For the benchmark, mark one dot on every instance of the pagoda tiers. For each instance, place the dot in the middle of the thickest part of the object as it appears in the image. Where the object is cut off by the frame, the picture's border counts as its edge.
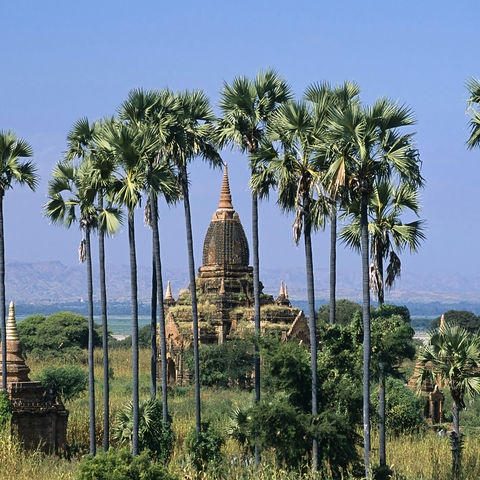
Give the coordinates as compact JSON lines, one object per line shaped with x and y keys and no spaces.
{"x":38,"y":417}
{"x":225,"y":294}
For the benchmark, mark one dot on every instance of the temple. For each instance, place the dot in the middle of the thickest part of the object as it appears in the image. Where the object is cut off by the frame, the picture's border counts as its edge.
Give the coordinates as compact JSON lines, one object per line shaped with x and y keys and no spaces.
{"x":225,"y":295}
{"x":39,"y":418}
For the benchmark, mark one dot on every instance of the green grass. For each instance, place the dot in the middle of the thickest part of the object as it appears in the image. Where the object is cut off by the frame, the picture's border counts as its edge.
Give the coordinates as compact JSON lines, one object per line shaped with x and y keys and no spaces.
{"x":420,"y":457}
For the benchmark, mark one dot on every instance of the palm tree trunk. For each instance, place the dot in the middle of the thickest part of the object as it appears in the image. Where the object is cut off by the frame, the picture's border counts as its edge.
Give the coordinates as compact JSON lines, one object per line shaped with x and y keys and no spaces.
{"x":134,"y":300}
{"x":91,"y":377}
{"x":256,"y":298}
{"x":161,"y":311}
{"x":381,"y":412}
{"x":103,"y":299}
{"x":2,"y":297}
{"x":311,"y":319}
{"x":333,"y":264}
{"x":193,"y":291}
{"x":381,"y":286}
{"x":153,"y":330}
{"x":366,"y":333}
{"x":455,"y":440}
{"x":456,"y":417}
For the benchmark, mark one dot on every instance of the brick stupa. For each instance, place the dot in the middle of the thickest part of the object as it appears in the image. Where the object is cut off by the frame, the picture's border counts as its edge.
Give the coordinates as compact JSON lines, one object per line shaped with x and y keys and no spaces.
{"x":225,"y":294}
{"x":39,"y":418}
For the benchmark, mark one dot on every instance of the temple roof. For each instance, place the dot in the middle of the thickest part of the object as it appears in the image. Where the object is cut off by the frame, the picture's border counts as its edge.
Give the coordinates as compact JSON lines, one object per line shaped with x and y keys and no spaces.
{"x":225,"y":242}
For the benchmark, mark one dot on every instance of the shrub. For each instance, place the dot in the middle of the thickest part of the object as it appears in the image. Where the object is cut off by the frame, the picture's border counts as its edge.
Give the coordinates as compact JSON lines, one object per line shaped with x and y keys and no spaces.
{"x":344,"y":310}
{"x":121,"y":465}
{"x":69,"y":381}
{"x":403,"y":409}
{"x":56,"y":335}
{"x":5,"y":409}
{"x":153,"y":434}
{"x":224,"y":364}
{"x":204,"y":448}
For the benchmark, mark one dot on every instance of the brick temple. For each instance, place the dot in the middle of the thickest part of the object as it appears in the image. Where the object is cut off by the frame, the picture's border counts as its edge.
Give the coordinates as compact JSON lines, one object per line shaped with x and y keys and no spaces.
{"x":39,"y":418}
{"x":225,"y":295}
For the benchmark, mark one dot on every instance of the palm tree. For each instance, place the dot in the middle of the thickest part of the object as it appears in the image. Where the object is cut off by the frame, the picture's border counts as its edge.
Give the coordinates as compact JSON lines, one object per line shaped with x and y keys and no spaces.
{"x":388,"y":234}
{"x":246,"y":109}
{"x":81,"y":144}
{"x":368,"y":146}
{"x":132,"y":145}
{"x":297,"y":167}
{"x":11,"y":171}
{"x":154,"y":110}
{"x":473,"y":87}
{"x":68,"y":191}
{"x":454,"y":354}
{"x":191,"y":137}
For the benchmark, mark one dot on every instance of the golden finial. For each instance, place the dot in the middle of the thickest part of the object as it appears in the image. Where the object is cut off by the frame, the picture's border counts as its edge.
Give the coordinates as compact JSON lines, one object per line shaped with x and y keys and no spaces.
{"x":281,"y":293}
{"x":12,"y":333}
{"x":225,"y":196}
{"x":169,"y":291}
{"x":222,"y":288}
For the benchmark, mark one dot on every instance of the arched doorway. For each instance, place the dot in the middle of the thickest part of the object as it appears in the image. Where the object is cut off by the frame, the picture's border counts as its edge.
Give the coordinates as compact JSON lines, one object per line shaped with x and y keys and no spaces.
{"x":171,"y":372}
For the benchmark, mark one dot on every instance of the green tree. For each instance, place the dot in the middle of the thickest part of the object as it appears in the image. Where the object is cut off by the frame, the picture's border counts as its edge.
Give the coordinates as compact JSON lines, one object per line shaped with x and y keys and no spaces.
{"x":132,"y":146}
{"x":467,"y":320}
{"x":340,"y":96}
{"x":59,"y":334}
{"x":191,"y":138}
{"x":247,"y":106}
{"x":369,"y":145}
{"x":68,"y":191}
{"x":81,"y":144}
{"x":455,"y":356}
{"x":388,"y":234}
{"x":293,"y":159}
{"x":69,"y":380}
{"x":344,"y":311}
{"x":12,"y":171}
{"x":473,"y":87}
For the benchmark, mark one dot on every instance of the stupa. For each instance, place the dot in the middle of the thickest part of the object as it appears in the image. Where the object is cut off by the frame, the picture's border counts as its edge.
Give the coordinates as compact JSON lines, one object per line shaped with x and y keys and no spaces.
{"x":225,"y":295}
{"x":39,"y":418}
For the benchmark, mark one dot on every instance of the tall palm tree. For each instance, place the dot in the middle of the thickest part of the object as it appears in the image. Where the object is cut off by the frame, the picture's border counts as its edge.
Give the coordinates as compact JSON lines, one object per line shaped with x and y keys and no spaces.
{"x":296,"y":165}
{"x":154,"y":110}
{"x":340,"y":96}
{"x":246,"y":108}
{"x":11,"y":171}
{"x":191,"y":137}
{"x":68,"y":191}
{"x":132,"y":145}
{"x":388,"y":233}
{"x":368,"y":145}
{"x":454,"y":354}
{"x":81,"y":144}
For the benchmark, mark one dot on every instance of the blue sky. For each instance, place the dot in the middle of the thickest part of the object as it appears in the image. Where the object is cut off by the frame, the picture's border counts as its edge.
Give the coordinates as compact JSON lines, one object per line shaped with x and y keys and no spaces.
{"x":65,"y":60}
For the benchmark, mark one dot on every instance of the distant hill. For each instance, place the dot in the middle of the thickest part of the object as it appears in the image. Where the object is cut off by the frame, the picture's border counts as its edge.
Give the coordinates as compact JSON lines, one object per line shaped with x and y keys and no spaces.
{"x":52,"y":283}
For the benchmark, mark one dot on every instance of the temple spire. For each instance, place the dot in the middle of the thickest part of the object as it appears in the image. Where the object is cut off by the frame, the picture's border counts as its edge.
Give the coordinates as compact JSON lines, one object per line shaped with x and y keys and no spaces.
{"x":225,"y":195}
{"x":281,"y":293}
{"x":222,"y":288}
{"x":442,"y":322}
{"x":12,"y":332}
{"x":169,"y":295}
{"x":286,"y":291}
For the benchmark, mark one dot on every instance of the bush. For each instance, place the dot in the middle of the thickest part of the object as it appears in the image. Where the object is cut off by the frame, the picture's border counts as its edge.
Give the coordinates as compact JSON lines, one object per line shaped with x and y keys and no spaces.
{"x":69,"y":381}
{"x":153,"y":434}
{"x":403,"y":409}
{"x":5,"y":409}
{"x":204,"y":448}
{"x":224,"y":364}
{"x":121,"y":465}
{"x":56,"y":335}
{"x":344,"y":310}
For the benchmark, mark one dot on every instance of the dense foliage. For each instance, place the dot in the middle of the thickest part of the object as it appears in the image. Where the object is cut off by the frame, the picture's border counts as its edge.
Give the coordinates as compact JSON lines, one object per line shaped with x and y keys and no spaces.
{"x":153,"y":434}
{"x":59,"y":334}
{"x":403,"y":409}
{"x":68,"y":381}
{"x":224,"y":364}
{"x":344,"y":310}
{"x":204,"y":448}
{"x":5,"y":408}
{"x":468,"y":320}
{"x":121,"y":465}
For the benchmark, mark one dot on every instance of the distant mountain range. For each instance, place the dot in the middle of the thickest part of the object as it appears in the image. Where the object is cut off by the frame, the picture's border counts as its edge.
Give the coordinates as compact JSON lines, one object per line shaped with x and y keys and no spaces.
{"x":49,"y":283}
